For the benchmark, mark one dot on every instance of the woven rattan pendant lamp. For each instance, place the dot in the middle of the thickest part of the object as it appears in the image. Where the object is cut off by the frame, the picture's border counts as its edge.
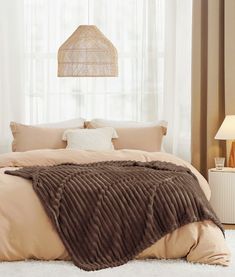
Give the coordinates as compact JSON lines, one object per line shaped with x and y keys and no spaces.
{"x":87,"y":53}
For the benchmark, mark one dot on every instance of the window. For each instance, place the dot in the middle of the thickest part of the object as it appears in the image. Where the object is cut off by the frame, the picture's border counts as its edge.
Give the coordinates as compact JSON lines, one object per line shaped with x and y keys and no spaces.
{"x":153,"y":39}
{"x":137,"y":30}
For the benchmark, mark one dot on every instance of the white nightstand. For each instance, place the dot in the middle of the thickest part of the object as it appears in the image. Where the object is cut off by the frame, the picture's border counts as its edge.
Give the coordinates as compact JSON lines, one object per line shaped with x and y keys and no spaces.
{"x":222,"y":184}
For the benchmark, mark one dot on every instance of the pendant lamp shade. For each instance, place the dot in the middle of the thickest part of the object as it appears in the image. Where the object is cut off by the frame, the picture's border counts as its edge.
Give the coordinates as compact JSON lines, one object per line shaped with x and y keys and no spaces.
{"x":87,"y":53}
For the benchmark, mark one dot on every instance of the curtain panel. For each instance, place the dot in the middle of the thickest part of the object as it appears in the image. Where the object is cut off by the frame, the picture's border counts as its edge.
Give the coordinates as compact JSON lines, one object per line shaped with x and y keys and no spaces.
{"x":11,"y":68}
{"x":153,"y":39}
{"x":213,"y":65}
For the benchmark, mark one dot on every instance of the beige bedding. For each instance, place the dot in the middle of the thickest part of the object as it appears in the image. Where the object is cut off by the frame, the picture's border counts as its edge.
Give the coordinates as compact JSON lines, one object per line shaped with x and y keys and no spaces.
{"x":26,"y":231}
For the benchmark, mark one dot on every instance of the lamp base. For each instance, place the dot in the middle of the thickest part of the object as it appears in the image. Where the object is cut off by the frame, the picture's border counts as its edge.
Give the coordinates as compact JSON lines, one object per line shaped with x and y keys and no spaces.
{"x":232,"y":155}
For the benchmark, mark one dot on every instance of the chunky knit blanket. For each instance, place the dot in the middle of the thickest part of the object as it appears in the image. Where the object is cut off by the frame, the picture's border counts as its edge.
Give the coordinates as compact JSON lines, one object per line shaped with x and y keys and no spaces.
{"x":106,"y":213}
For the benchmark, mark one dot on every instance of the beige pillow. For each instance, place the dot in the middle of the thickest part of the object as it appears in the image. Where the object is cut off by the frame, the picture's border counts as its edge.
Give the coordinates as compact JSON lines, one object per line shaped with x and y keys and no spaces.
{"x":145,"y":139}
{"x":135,"y":135}
{"x":29,"y":137}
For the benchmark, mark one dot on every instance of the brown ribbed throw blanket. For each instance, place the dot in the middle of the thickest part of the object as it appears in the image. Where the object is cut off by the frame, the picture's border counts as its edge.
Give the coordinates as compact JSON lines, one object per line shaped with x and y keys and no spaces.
{"x":106,"y":213}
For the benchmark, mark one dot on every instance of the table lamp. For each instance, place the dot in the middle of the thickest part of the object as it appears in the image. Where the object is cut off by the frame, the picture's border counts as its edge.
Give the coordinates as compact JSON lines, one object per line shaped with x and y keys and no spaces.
{"x":227,"y":132}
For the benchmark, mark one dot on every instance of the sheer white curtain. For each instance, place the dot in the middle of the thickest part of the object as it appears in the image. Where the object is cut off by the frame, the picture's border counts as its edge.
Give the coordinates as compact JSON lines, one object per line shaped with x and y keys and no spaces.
{"x":153,"y":39}
{"x":177,"y":76}
{"x":137,"y":30}
{"x":11,"y":68}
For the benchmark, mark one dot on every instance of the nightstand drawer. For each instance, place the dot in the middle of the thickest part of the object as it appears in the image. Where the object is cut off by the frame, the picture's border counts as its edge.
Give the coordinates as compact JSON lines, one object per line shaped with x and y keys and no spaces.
{"x":222,"y":184}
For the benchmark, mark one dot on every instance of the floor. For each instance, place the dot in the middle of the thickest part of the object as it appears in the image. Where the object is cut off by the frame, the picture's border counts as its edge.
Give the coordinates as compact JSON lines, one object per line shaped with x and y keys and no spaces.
{"x":149,"y":268}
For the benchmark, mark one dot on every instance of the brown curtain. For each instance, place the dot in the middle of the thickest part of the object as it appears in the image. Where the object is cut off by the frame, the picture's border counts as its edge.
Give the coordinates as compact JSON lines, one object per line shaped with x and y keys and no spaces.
{"x":213,"y":77}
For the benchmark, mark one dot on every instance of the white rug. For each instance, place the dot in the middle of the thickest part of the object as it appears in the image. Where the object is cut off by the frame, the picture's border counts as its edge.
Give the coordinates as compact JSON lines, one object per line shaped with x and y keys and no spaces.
{"x":150,"y":268}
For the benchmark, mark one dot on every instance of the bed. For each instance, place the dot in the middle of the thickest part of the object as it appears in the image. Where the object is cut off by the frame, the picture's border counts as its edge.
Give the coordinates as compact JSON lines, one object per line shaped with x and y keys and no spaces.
{"x":26,"y":231}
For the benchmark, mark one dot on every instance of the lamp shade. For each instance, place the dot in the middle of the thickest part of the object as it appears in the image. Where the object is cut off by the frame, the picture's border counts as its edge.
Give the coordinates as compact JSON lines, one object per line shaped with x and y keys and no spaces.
{"x":227,"y":129}
{"x":87,"y":53}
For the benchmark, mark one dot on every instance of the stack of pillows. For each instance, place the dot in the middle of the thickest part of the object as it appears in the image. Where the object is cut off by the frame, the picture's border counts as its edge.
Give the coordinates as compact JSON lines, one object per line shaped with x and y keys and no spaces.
{"x":96,"y":135}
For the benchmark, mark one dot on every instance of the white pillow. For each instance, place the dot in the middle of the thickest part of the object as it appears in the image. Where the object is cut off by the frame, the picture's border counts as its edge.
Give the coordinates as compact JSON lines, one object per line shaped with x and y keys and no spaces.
{"x":99,"y":139}
{"x":71,"y":123}
{"x":97,"y":123}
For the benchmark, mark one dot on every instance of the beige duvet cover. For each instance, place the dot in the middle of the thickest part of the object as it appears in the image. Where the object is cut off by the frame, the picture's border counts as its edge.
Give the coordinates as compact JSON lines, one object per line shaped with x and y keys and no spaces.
{"x":26,"y":231}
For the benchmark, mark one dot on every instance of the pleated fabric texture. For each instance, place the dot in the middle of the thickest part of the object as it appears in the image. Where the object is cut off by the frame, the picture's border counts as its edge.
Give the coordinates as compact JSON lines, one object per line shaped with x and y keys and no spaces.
{"x":106,"y":213}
